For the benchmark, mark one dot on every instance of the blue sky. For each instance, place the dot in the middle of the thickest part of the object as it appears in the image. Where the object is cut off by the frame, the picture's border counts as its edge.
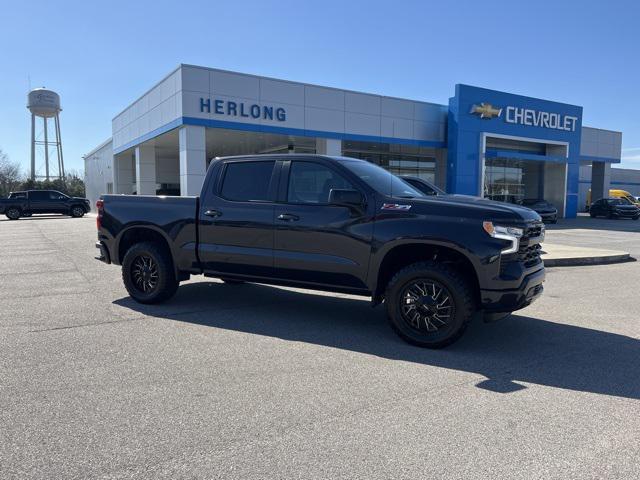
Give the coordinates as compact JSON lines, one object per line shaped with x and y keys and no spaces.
{"x":99,"y":56}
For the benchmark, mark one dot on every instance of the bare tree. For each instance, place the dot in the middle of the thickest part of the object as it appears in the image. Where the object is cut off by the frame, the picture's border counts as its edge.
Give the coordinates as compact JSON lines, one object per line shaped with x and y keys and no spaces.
{"x":10,"y":176}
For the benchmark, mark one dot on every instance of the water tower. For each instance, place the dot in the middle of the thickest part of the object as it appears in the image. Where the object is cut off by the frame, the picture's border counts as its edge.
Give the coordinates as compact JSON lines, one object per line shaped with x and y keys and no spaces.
{"x":45,"y":104}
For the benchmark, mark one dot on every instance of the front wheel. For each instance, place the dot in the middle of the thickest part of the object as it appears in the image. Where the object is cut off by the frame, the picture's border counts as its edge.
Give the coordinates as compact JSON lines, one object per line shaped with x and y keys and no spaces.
{"x":12,"y":213}
{"x":147,"y":273}
{"x":593,"y":215}
{"x":77,"y":212}
{"x":429,"y":304}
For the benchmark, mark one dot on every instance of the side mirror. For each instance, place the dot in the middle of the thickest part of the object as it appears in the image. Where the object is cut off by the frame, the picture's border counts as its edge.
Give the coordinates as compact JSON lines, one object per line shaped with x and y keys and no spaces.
{"x":347,"y":198}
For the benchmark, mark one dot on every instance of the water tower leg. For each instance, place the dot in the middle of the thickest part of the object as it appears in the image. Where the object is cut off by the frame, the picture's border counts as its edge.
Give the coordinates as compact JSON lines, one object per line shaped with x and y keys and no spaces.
{"x":46,"y":148}
{"x":33,"y":147}
{"x":60,"y":158}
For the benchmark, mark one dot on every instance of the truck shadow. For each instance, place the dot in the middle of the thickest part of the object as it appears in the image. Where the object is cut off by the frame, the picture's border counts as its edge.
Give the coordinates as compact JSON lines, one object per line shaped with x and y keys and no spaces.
{"x":508,"y":353}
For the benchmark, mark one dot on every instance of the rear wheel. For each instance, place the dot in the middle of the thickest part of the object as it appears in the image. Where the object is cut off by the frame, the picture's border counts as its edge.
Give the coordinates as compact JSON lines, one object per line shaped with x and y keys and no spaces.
{"x":147,"y":273}
{"x":12,"y":213}
{"x":429,"y":304}
{"x":77,"y":212}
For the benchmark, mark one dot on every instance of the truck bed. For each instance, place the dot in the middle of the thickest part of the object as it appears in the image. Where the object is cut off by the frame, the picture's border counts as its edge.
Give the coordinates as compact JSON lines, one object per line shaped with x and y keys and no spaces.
{"x":174,"y":217}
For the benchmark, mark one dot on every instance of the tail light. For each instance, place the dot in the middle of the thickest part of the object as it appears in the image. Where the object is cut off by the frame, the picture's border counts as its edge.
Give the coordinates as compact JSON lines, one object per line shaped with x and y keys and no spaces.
{"x":100,"y":209}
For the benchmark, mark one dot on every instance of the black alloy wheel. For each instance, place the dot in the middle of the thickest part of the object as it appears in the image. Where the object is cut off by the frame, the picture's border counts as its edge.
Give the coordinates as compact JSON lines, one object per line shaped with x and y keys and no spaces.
{"x":427,"y":305}
{"x":77,"y":212}
{"x":12,"y":213}
{"x":144,"y":274}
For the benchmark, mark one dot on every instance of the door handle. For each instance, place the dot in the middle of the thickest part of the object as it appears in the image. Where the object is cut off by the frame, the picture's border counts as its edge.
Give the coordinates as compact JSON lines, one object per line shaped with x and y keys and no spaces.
{"x":213,"y":213}
{"x":288,"y":217}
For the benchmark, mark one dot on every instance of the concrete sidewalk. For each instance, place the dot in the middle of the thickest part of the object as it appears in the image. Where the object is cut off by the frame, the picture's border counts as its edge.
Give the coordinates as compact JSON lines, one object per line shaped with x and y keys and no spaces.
{"x":556,"y":255}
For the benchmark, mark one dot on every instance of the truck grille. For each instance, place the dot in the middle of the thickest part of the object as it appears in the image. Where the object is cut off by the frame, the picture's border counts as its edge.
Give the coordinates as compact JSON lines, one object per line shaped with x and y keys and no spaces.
{"x":533,"y":231}
{"x":529,"y":253}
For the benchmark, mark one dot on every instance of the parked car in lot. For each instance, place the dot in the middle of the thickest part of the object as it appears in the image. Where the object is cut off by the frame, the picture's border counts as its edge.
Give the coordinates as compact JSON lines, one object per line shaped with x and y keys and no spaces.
{"x":614,"y":208}
{"x":334,"y":224}
{"x":615,"y":193}
{"x":547,"y":211}
{"x":423,"y":185}
{"x":24,"y":204}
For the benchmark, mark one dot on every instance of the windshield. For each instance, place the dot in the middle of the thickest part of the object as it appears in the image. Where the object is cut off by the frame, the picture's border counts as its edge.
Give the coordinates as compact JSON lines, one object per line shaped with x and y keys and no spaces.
{"x":381,"y":180}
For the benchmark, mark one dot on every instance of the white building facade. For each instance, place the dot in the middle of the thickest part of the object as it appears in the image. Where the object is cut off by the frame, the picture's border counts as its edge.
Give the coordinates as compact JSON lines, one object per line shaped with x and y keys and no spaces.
{"x":162,"y":143}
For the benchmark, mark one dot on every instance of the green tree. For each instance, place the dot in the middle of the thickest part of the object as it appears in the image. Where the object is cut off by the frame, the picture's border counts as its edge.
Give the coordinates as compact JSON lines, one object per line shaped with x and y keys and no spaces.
{"x":72,"y":185}
{"x":10,"y":175}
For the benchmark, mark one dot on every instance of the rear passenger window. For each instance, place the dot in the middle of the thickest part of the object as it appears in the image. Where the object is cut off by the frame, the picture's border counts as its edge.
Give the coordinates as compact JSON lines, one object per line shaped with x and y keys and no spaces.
{"x":247,"y":181}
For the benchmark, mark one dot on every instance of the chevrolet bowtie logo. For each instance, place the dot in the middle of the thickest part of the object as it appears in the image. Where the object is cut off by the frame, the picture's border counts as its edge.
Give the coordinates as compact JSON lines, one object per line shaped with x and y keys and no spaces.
{"x":486,"y":110}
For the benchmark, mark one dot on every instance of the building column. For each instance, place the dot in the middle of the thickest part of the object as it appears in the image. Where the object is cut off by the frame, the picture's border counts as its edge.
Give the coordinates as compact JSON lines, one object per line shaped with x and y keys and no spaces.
{"x":600,"y":180}
{"x":193,"y":159}
{"x":123,"y":173}
{"x":329,"y":146}
{"x":146,"y":170}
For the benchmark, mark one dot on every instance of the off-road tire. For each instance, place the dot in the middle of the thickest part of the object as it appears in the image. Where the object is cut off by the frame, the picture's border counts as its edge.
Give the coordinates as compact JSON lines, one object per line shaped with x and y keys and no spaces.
{"x":167,"y":284}
{"x":459,"y":289}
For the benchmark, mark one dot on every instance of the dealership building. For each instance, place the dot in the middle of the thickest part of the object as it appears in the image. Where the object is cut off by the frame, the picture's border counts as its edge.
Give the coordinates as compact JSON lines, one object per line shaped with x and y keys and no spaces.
{"x":483,"y":142}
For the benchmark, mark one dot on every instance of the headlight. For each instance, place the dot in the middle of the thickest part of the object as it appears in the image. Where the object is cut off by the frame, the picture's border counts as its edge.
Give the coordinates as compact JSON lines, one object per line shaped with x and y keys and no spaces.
{"x":511,"y":234}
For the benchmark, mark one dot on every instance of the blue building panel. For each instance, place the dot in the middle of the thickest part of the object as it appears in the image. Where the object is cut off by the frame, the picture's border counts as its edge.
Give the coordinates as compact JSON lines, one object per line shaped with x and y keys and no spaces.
{"x":477,"y":113}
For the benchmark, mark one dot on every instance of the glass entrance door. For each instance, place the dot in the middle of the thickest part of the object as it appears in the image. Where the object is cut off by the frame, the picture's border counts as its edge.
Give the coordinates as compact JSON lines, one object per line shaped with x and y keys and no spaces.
{"x":504,"y":180}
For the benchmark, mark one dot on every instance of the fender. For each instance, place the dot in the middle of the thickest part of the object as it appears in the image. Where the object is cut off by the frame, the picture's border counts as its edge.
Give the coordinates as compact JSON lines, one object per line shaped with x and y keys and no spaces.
{"x":377,"y":256}
{"x":150,"y":227}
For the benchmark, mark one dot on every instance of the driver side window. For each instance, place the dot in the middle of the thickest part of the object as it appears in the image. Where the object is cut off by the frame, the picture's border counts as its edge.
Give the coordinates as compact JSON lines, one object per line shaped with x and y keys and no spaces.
{"x":311,"y":182}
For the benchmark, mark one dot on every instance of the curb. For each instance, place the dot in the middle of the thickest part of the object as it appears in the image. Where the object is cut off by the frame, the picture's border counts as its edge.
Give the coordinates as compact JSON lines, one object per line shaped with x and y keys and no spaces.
{"x":582,"y":261}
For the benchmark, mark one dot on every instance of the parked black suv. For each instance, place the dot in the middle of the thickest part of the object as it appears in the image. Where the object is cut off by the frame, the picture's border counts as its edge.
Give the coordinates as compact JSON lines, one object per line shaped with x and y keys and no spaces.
{"x":24,"y":204}
{"x":336,"y":224}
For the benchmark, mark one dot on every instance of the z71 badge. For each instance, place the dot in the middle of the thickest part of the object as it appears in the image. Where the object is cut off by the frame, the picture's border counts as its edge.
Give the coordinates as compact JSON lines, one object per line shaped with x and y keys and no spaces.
{"x":395,"y":206}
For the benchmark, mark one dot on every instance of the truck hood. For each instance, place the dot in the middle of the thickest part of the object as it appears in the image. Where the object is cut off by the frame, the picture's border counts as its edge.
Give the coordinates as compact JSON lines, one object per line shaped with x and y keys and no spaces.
{"x":471,"y":207}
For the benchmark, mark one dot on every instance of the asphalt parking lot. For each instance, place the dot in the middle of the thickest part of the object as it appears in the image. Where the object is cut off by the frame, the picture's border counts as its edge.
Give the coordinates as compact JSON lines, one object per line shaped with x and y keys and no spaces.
{"x":251,"y":381}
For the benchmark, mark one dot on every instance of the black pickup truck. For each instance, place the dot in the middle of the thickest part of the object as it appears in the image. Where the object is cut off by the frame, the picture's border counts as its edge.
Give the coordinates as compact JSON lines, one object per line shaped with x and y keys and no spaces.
{"x":334,"y":224}
{"x":26,"y":203}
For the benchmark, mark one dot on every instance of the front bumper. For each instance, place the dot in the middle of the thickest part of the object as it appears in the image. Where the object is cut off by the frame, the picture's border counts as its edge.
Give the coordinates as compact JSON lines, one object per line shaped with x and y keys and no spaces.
{"x":624,"y":214}
{"x":514,"y":299}
{"x":549,"y":217}
{"x":104,"y":253}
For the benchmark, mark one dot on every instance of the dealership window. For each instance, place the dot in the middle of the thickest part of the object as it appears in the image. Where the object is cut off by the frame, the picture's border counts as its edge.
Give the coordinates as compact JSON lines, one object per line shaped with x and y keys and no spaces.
{"x":511,"y":180}
{"x":404,"y":160}
{"x":247,"y":181}
{"x":311,"y":183}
